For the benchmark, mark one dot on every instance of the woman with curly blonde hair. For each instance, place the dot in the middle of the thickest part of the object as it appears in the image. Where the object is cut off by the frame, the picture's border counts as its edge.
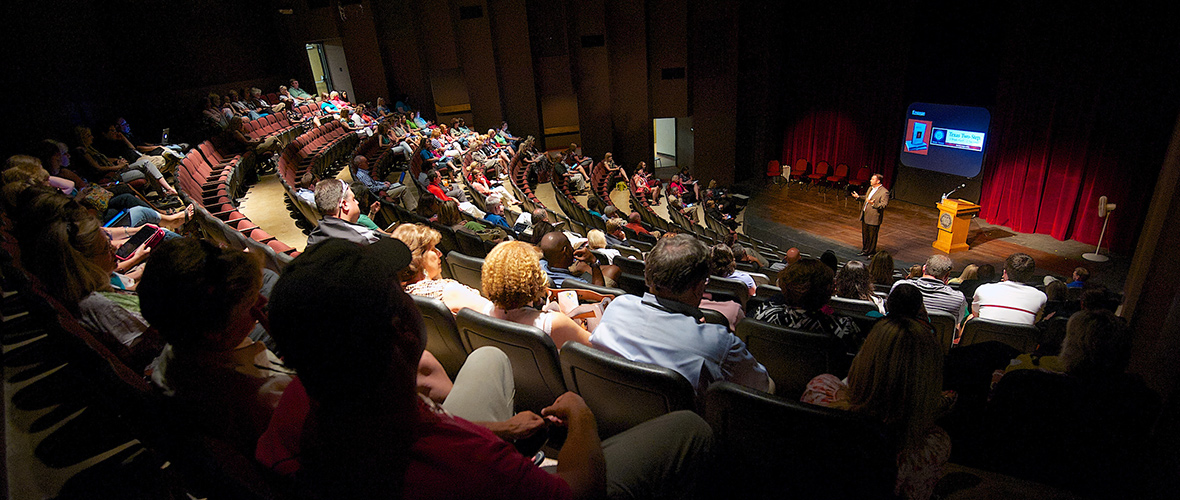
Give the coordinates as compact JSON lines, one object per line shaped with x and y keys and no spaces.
{"x":513,"y":280}
{"x":422,"y":276}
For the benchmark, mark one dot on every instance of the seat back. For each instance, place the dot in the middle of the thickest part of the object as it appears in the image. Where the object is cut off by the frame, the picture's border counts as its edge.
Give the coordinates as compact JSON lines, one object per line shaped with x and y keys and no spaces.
{"x":852,"y":307}
{"x":442,"y":335}
{"x":466,"y":269}
{"x":791,"y":357}
{"x":633,"y":266}
{"x":633,"y":284}
{"x":821,"y":169}
{"x":1022,"y":337}
{"x":779,"y":448}
{"x":944,"y":329}
{"x":799,"y":168}
{"x":729,"y":286}
{"x":582,"y":285}
{"x":620,"y":392}
{"x":773,"y":169}
{"x":536,"y":369}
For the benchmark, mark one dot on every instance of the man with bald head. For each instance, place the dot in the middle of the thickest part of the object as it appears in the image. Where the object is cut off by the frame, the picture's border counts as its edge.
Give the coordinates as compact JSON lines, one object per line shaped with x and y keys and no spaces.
{"x":562,"y":262}
{"x":791,"y":257}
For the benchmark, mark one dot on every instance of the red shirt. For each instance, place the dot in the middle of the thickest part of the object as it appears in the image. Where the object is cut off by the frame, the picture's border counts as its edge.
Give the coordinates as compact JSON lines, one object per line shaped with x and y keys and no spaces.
{"x":452,"y":458}
{"x":438,"y":192}
{"x":637,"y":227}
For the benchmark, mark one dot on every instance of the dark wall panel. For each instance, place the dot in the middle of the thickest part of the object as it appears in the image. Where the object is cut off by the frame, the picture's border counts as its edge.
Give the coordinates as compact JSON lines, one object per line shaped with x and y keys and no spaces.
{"x":590,"y":70}
{"x":474,"y":39}
{"x":510,"y":37}
{"x":713,"y":82}
{"x":630,"y":117}
{"x":667,"y":47}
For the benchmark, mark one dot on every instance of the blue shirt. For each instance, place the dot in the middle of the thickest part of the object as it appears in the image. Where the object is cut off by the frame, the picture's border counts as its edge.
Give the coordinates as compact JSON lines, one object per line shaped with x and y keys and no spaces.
{"x":671,"y":334}
{"x":363,"y":177}
{"x":559,"y":275}
{"x":497,"y":220}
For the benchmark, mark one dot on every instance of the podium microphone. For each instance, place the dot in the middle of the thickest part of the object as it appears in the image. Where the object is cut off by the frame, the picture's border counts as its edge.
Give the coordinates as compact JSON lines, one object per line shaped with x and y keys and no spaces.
{"x":961,"y":186}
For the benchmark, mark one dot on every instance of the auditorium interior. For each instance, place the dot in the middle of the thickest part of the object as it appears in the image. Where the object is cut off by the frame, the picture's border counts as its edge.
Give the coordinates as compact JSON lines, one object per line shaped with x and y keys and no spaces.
{"x":1082,"y":99}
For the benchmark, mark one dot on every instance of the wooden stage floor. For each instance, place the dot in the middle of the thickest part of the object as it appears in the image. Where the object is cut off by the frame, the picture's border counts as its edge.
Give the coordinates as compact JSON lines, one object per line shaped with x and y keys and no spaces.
{"x":817,"y":219}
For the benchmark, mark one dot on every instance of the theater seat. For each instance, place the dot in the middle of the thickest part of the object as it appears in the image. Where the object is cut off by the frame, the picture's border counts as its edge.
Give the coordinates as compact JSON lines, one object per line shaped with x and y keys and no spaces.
{"x":535,"y":366}
{"x":772,"y":447}
{"x":792,"y":357}
{"x":442,"y":335}
{"x":620,"y":392}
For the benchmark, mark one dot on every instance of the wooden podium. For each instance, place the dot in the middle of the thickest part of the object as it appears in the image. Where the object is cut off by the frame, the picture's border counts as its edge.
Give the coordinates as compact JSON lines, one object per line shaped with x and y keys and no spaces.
{"x":954,"y":221}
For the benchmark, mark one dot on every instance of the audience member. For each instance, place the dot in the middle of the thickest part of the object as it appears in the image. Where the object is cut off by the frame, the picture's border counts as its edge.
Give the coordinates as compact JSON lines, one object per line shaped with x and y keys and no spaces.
{"x":905,"y":300}
{"x":1080,"y":275}
{"x":100,"y":168}
{"x":722,"y":264}
{"x":969,"y":273}
{"x":853,"y":282}
{"x":986,"y":273}
{"x":385,"y":190}
{"x":541,"y":226}
{"x":204,"y":301}
{"x":562,"y":262}
{"x":881,"y":268}
{"x":365,"y":200}
{"x":634,"y":221}
{"x":936,"y":294}
{"x":1010,"y":300}
{"x":352,"y":426}
{"x":665,"y":326}
{"x":514,"y":281}
{"x":914,"y":272}
{"x":806,"y":290}
{"x":829,"y":259}
{"x":896,"y":378}
{"x":1085,"y":429}
{"x":423,"y":276}
{"x":305,"y":189}
{"x":337,"y":204}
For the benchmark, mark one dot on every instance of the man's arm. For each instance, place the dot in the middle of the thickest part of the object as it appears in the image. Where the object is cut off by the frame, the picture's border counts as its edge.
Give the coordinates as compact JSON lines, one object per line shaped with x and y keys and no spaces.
{"x":581,"y":462}
{"x":740,"y":367}
{"x":882,"y":200}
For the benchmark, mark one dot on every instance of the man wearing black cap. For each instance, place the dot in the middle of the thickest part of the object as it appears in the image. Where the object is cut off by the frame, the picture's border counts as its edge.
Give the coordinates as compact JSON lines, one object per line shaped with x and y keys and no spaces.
{"x":338,"y":205}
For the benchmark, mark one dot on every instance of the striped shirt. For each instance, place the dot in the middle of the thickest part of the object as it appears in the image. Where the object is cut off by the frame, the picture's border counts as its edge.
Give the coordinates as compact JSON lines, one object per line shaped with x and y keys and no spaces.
{"x":938,"y":296}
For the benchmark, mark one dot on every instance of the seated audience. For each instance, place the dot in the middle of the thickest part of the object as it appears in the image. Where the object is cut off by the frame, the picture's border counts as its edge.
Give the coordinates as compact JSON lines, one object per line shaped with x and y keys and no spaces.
{"x":204,"y":301}
{"x":1080,"y":275}
{"x":722,"y":264}
{"x":366,"y":201}
{"x":665,"y":326}
{"x":1085,"y":429}
{"x":806,"y":290}
{"x":969,"y":273}
{"x":73,"y":256}
{"x":387,"y":191}
{"x":634,"y":221}
{"x":562,"y":262}
{"x":353,"y":427}
{"x":853,"y":282}
{"x":881,"y":268}
{"x":514,"y":281}
{"x":937,"y":295}
{"x":986,"y":273}
{"x":495,"y":213}
{"x":337,"y":204}
{"x":99,"y":168}
{"x":541,"y":225}
{"x":304,"y":190}
{"x":1010,"y":300}
{"x":896,"y":378}
{"x":423,"y":276}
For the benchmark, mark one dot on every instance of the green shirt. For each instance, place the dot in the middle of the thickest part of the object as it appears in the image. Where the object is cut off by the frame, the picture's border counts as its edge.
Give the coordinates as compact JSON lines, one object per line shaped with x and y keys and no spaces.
{"x":364,"y":220}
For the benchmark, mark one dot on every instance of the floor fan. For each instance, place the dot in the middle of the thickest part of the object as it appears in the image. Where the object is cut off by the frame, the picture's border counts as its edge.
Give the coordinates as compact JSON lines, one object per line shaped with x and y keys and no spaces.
{"x":1104,"y":210}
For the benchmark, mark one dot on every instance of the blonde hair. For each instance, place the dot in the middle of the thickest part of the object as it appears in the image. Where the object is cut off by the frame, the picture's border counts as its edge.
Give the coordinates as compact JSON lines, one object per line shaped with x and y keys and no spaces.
{"x":418,"y":238}
{"x":897,"y":378}
{"x":970,"y":272}
{"x":614,"y":224}
{"x":596,"y":238}
{"x":512,"y":275}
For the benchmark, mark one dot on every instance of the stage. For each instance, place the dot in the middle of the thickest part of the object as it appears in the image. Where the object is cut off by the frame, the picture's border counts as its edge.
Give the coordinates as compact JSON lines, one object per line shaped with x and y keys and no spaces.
{"x":817,"y":219}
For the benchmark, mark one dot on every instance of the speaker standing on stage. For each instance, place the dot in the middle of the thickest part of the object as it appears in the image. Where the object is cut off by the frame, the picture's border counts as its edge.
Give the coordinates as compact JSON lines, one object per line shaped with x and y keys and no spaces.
{"x":871,"y":212}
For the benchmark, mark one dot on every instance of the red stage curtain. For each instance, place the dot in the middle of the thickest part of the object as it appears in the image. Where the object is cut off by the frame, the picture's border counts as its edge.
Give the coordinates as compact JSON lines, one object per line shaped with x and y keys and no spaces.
{"x":841,"y":137}
{"x":1066,"y":131}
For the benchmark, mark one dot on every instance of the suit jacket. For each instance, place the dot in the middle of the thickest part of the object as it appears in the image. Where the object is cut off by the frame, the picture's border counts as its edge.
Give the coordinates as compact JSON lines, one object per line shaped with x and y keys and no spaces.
{"x":872,"y":215}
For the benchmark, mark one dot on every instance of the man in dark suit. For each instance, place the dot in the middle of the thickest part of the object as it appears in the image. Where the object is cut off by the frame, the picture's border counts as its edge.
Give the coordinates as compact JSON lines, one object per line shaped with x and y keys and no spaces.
{"x":871,"y":212}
